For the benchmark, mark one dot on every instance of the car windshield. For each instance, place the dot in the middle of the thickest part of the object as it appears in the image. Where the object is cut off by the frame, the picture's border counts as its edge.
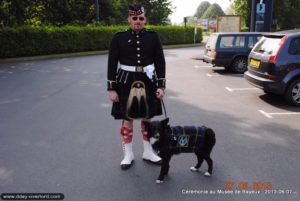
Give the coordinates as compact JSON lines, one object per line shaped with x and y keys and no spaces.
{"x":267,"y":45}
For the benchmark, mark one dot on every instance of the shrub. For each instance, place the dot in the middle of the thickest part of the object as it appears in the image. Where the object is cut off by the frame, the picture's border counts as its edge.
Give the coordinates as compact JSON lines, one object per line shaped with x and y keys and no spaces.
{"x":29,"y":41}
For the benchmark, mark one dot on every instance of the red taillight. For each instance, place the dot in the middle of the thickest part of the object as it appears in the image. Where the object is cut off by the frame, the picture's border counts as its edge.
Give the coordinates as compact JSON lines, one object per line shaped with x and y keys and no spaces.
{"x":273,"y":57}
{"x":215,"y":54}
{"x":271,"y":77}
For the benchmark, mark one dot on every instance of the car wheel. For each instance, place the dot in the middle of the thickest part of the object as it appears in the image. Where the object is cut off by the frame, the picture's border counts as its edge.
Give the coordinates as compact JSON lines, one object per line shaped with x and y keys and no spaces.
{"x":239,"y":64}
{"x":227,"y":68}
{"x":292,"y":95}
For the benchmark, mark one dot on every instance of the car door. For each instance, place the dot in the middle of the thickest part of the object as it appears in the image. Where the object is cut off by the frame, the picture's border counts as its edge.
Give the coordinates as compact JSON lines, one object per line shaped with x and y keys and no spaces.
{"x":225,"y":48}
{"x":294,"y":54}
{"x":230,"y":46}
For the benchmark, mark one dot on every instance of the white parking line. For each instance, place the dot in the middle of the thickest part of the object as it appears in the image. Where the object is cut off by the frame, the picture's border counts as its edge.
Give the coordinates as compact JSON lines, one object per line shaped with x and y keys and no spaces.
{"x":196,"y":66}
{"x":9,"y":101}
{"x":67,"y":69}
{"x":265,"y":114}
{"x":210,"y":75}
{"x":270,"y":115}
{"x":83,"y":82}
{"x":241,"y":89}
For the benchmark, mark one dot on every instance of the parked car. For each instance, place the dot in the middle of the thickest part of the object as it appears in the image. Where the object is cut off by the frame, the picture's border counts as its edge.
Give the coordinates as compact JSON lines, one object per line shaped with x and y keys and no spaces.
{"x":230,"y":50}
{"x":274,"y":64}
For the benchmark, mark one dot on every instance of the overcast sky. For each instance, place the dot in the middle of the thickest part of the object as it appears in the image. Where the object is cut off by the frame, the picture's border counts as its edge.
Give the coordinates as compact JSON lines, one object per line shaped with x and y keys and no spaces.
{"x":188,"y":8}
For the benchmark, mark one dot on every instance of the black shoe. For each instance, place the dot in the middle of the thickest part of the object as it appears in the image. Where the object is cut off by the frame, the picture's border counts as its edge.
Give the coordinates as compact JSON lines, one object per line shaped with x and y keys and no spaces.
{"x":153,"y":162}
{"x":127,"y":166}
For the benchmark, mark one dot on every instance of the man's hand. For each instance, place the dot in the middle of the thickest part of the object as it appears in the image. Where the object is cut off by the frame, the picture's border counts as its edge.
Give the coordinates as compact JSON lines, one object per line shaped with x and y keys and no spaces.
{"x":160,"y":93}
{"x":113,"y":96}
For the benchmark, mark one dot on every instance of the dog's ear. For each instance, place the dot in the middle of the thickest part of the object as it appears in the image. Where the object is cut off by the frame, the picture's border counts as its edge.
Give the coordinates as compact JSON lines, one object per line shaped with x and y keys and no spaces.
{"x":164,"y":122}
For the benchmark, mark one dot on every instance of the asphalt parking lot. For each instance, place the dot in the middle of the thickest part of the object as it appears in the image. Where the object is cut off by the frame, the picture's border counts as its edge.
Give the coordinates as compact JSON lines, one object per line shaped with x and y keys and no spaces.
{"x":57,"y":135}
{"x":233,"y":91}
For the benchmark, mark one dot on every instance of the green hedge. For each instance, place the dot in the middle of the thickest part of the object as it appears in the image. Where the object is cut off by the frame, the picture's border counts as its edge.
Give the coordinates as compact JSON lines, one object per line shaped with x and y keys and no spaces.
{"x":29,"y":41}
{"x":171,"y":35}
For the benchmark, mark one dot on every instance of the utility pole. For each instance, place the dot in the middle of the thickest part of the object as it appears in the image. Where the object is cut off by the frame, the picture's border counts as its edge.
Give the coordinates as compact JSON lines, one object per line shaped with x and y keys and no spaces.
{"x":252,"y":23}
{"x":195,"y":28}
{"x":97,"y":12}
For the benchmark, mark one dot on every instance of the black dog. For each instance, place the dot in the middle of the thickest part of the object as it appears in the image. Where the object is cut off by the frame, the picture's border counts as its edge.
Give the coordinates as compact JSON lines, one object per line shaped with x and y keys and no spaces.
{"x":168,"y":141}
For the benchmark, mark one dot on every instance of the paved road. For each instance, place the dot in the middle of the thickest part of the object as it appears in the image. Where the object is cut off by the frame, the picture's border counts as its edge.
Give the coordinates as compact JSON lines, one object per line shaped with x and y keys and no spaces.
{"x":56,"y":134}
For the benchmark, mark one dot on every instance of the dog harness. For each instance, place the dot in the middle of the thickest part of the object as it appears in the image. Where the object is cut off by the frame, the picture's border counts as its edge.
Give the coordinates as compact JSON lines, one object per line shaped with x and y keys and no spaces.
{"x":186,"y":139}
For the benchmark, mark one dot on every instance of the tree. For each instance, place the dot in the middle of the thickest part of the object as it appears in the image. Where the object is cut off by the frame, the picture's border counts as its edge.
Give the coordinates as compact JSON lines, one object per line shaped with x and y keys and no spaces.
{"x":201,"y":9}
{"x":5,"y":17}
{"x":199,"y":12}
{"x":12,"y":12}
{"x":115,"y":11}
{"x":286,"y":12}
{"x":66,"y":12}
{"x":229,"y":10}
{"x":47,"y":12}
{"x":119,"y":12}
{"x":157,"y":11}
{"x":213,"y":11}
{"x":242,"y":8}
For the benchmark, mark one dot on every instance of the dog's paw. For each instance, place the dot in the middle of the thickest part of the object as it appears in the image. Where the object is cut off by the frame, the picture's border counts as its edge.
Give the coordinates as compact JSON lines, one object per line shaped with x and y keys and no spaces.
{"x":207,"y":174}
{"x":193,"y":169}
{"x":159,"y":181}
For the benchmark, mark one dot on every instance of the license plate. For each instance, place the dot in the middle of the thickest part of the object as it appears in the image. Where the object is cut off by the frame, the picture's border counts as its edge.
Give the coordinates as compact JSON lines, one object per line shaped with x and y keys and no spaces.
{"x":254,"y":63}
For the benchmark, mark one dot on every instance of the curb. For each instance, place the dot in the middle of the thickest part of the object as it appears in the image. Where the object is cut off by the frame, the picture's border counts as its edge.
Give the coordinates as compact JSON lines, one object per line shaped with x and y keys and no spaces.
{"x":79,"y":54}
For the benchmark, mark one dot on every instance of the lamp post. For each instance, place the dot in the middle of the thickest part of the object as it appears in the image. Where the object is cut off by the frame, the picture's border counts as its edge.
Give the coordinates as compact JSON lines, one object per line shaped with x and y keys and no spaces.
{"x":195,"y":28}
{"x":97,"y":12}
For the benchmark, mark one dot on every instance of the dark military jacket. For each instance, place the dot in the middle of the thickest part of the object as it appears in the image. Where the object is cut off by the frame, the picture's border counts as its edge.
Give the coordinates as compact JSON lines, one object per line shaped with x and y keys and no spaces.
{"x":135,"y":49}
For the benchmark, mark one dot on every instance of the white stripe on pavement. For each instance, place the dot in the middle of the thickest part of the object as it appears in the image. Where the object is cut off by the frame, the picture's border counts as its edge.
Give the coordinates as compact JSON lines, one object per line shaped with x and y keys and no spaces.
{"x":241,"y":89}
{"x":265,"y":114}
{"x":271,"y":114}
{"x":196,"y":66}
{"x":9,"y":101}
{"x":210,"y":75}
{"x":229,"y":89}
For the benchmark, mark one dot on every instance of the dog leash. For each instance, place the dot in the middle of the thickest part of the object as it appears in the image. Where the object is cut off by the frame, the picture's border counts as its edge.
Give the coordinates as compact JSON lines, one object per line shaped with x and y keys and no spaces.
{"x":164,"y":107}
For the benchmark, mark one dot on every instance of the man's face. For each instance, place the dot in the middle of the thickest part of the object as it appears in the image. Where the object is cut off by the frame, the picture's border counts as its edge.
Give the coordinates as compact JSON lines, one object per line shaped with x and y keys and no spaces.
{"x":137,"y":22}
